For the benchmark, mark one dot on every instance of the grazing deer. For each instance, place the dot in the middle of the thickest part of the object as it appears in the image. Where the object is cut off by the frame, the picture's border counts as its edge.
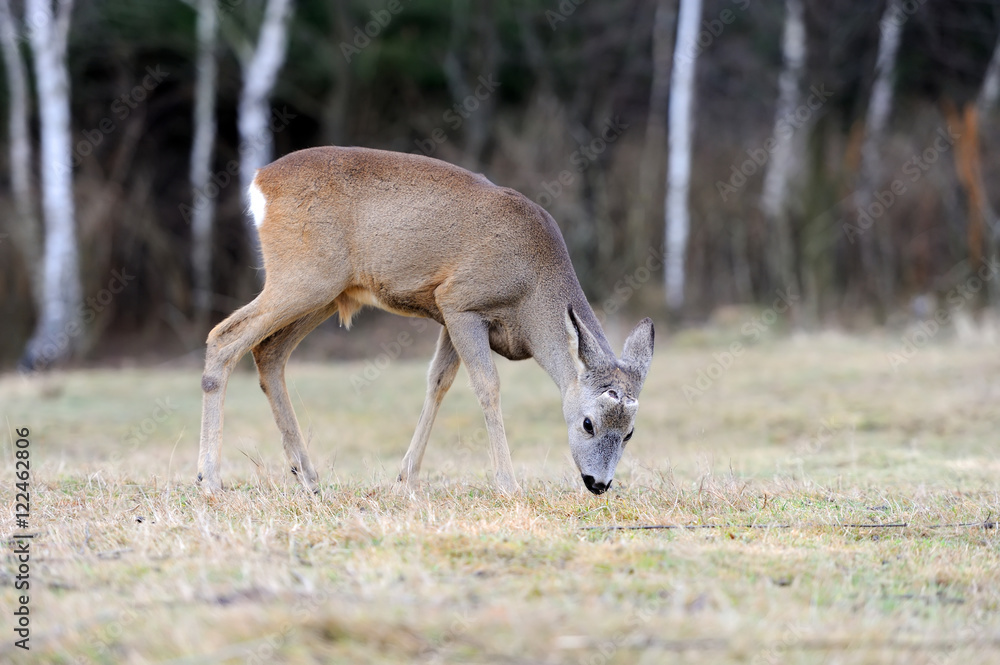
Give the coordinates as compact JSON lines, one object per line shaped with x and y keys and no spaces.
{"x":341,"y":228}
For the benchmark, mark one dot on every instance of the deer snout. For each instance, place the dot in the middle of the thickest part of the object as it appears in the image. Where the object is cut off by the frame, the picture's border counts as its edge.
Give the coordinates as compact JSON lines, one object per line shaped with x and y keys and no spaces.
{"x":596,"y":461}
{"x":596,"y":486}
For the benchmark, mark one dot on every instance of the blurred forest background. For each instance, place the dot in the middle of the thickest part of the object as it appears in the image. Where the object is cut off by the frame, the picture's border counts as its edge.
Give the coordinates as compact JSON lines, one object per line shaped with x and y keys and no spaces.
{"x":842,"y":151}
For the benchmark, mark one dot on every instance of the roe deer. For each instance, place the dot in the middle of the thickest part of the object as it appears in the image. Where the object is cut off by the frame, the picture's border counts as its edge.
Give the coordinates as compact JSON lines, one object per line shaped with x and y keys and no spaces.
{"x":341,"y":228}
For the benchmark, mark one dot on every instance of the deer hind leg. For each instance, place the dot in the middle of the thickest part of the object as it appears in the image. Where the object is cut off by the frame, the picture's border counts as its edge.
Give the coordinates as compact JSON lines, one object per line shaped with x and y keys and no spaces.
{"x":271,"y":356}
{"x":272,"y":310}
{"x":441,"y":375}
{"x":470,"y":337}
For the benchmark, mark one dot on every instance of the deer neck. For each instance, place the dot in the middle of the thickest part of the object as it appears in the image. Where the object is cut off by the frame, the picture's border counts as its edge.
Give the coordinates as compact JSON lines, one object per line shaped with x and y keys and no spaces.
{"x":550,"y":343}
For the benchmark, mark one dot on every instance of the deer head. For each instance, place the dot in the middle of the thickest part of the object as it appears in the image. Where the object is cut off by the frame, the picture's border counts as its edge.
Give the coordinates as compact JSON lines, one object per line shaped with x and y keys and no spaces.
{"x":600,"y":404}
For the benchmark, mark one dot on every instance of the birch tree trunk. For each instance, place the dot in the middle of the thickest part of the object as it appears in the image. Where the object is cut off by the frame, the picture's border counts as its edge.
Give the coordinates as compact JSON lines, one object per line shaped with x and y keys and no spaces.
{"x":203,"y":206}
{"x":876,"y":252}
{"x":260,"y":72}
{"x":677,"y":222}
{"x":786,"y":159}
{"x":990,"y":90}
{"x":58,"y":330}
{"x":26,"y":227}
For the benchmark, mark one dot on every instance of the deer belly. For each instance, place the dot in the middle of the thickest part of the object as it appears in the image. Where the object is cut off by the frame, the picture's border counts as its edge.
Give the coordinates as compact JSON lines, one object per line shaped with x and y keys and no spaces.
{"x":417,"y":303}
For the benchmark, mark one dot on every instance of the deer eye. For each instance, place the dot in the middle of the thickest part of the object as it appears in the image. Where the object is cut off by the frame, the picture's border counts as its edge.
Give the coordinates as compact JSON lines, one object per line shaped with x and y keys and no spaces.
{"x":588,"y":426}
{"x":629,"y":435}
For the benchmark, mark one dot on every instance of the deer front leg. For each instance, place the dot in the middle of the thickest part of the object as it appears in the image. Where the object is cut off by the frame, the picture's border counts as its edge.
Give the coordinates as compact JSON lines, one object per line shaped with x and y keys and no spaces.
{"x":441,"y":375}
{"x":470,"y":336}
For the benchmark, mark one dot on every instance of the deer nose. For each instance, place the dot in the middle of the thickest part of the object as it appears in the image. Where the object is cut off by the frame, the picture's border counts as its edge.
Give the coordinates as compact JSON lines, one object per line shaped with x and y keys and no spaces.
{"x":596,"y":487}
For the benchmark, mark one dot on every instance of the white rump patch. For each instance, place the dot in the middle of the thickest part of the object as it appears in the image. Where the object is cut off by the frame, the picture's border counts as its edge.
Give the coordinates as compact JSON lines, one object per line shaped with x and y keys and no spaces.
{"x":258,"y":204}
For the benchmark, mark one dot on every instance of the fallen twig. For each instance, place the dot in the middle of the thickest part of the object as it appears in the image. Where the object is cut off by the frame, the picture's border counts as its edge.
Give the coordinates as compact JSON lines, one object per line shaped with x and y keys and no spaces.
{"x":986,"y":524}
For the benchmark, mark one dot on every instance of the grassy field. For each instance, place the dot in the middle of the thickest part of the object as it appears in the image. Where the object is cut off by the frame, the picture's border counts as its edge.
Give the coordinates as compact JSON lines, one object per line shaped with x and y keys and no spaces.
{"x":796,"y":439}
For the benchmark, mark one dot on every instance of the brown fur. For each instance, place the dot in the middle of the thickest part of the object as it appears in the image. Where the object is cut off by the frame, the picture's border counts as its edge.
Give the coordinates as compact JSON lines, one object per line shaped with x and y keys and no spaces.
{"x":349,"y":227}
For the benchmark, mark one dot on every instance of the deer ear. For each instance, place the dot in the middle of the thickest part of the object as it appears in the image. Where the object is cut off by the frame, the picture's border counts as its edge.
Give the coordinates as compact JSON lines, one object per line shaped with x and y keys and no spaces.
{"x":583,"y":347}
{"x":638,"y":352}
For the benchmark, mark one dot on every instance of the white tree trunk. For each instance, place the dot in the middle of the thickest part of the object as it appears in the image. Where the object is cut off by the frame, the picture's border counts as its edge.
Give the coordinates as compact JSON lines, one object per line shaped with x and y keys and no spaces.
{"x":876,"y":267}
{"x":203,"y":205}
{"x":677,"y":222}
{"x":782,"y":163}
{"x":786,"y":158}
{"x":885,"y":68}
{"x":260,"y":71}
{"x":990,"y":89}
{"x":58,"y":330}
{"x":29,"y":237}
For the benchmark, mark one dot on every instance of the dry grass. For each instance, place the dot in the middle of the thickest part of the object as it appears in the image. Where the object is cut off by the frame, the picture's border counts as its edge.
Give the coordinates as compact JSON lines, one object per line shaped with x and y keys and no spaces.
{"x":132,"y":565}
